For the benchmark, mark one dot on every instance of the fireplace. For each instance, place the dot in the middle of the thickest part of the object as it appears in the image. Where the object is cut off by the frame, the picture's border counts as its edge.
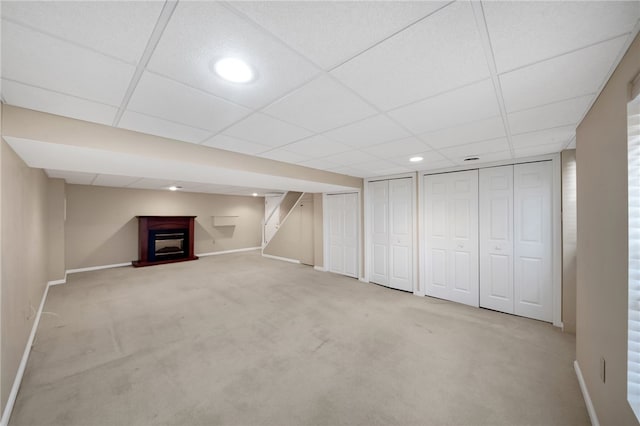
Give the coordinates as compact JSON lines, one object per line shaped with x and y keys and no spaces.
{"x":164,"y":239}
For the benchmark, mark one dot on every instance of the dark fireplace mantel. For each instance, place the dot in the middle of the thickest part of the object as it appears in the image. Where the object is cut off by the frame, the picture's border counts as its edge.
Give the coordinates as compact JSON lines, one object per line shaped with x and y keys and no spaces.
{"x":164,"y":239}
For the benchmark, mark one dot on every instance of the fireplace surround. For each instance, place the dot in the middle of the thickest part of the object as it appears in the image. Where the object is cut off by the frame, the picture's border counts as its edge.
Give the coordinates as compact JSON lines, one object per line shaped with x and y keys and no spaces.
{"x":164,"y":239}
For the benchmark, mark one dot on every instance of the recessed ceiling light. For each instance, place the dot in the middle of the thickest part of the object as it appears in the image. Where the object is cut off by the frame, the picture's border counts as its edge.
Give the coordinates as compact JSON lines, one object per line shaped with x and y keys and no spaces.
{"x":255,"y":194}
{"x":234,"y":70}
{"x":472,"y":158}
{"x":174,"y":188}
{"x":416,"y":159}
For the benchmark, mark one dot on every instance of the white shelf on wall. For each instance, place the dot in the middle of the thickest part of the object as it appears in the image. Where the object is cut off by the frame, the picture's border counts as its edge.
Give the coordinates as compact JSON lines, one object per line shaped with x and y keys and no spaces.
{"x":225,"y":220}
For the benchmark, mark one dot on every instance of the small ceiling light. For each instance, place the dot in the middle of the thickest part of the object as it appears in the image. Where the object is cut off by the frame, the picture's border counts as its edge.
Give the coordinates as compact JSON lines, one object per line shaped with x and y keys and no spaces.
{"x":416,"y":159}
{"x":174,"y":188}
{"x":255,"y":194}
{"x":234,"y":70}
{"x":473,"y":158}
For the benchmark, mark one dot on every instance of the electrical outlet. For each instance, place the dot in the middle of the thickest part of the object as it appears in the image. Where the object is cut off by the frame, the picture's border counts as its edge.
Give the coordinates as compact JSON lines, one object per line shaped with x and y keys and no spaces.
{"x":603,"y":370}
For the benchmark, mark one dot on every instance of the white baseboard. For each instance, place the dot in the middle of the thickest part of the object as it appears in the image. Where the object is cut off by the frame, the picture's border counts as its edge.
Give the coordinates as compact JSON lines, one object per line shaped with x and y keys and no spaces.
{"x":6,"y":414}
{"x":214,"y":253}
{"x":95,"y":268}
{"x":363,"y":280}
{"x":585,"y":394}
{"x":284,"y":259}
{"x":418,"y":293}
{"x":58,"y":282}
{"x":320,"y":268}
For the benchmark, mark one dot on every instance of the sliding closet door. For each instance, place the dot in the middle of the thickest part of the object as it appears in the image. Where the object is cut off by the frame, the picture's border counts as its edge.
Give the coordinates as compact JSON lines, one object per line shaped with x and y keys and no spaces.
{"x":533,"y":240}
{"x":496,"y":238}
{"x":400,"y":234}
{"x":451,"y":209}
{"x":342,"y":211}
{"x":379,"y":231}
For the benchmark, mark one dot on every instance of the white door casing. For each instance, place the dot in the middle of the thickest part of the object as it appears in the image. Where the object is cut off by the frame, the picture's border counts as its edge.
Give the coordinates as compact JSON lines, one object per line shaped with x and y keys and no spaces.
{"x":496,"y":238}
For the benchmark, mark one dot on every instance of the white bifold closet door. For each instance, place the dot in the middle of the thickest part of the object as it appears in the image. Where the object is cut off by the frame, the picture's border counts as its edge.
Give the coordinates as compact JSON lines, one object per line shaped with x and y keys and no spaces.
{"x":391,"y":207}
{"x":516,"y":240}
{"x":496,"y":238}
{"x":451,"y":218}
{"x":343,"y":223}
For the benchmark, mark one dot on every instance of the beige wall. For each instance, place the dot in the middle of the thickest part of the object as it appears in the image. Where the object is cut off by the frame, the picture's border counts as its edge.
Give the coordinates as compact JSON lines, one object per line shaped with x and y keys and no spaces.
{"x":55,"y":227}
{"x":569,"y":240}
{"x":24,"y":258}
{"x":101,"y":228}
{"x":602,"y":244}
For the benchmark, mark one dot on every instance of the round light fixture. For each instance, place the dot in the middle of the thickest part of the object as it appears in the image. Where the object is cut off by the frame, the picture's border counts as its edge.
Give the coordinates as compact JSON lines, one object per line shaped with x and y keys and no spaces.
{"x":234,"y":70}
{"x":416,"y":159}
{"x":255,"y":194}
{"x":174,"y":188}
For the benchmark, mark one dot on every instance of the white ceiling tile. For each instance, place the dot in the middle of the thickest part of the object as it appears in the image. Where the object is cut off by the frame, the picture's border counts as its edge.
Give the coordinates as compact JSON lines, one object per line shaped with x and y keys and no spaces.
{"x":56,"y":103}
{"x":36,"y":59}
{"x":319,"y":163}
{"x":265,"y":130}
{"x":165,"y":98}
{"x":529,"y":31}
{"x":119,"y":29}
{"x":71,"y":177}
{"x":490,"y":128}
{"x":317,"y":146}
{"x":467,"y":104}
{"x":330,"y":32}
{"x":367,"y":132}
{"x":568,"y":76}
{"x":350,"y":158}
{"x":156,"y":126}
{"x":436,"y":165}
{"x":572,"y":144}
{"x":531,"y":151}
{"x":112,"y":180}
{"x":476,"y":149}
{"x":320,"y":105}
{"x":393,"y":171}
{"x":280,"y":154}
{"x":440,"y":53}
{"x":430,"y":158}
{"x":234,"y":144}
{"x":406,"y":146}
{"x":557,"y":114}
{"x":148,"y":183}
{"x":486,"y":158}
{"x":200,"y":33}
{"x":352,"y":171}
{"x":544,"y":137}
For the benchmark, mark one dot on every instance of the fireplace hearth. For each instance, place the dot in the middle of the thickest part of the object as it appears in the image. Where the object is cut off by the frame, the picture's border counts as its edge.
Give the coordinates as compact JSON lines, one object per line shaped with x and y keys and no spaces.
{"x":164,"y":239}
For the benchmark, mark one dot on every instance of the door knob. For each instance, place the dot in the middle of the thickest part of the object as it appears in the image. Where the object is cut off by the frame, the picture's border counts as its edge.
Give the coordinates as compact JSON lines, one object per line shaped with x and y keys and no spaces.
{"x":498,"y":248}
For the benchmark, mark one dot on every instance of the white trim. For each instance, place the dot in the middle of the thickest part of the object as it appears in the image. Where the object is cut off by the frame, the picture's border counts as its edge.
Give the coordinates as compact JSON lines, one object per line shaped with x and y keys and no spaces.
{"x":556,"y":252}
{"x":536,"y":158}
{"x":6,"y":415}
{"x":95,"y":268}
{"x":284,"y":259}
{"x":363,"y":280}
{"x":58,"y":282}
{"x":215,"y":253}
{"x":422,"y":246}
{"x":585,"y":394}
{"x":319,"y":268}
{"x":325,"y":231}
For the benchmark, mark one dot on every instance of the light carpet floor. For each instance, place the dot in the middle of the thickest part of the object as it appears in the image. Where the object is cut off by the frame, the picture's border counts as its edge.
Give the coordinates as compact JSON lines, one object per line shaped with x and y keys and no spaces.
{"x":243,"y":340}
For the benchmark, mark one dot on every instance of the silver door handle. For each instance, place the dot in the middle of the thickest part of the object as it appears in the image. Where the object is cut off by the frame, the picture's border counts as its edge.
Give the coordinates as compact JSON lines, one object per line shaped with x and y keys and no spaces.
{"x":498,"y":248}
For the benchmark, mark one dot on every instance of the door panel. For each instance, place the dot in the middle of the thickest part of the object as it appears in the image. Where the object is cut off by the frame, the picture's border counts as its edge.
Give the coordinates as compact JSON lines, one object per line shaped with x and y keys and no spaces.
{"x":451,"y":209}
{"x":496,"y":238}
{"x":342,"y":210}
{"x":379,"y":232}
{"x":533,"y":240}
{"x":351,"y":225}
{"x":401,"y":234}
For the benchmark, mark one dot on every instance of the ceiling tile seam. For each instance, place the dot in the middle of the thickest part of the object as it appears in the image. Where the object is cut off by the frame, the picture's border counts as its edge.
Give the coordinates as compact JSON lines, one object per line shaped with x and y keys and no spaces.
{"x":390,"y":36}
{"x":569,"y":52}
{"x":146,"y":114}
{"x":67,"y":41}
{"x":59,"y":92}
{"x":632,"y":35}
{"x":154,"y":38}
{"x":546,"y":104}
{"x":528,"y":132}
{"x":485,"y":40}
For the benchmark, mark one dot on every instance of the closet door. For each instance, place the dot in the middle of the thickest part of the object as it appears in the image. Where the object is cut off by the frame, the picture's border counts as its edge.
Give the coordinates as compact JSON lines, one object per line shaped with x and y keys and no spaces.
{"x":342,"y":211}
{"x":451,"y":209}
{"x":533,"y":245}
{"x":379,"y":231}
{"x":351,"y":225}
{"x":400,"y":234}
{"x":496,"y":238}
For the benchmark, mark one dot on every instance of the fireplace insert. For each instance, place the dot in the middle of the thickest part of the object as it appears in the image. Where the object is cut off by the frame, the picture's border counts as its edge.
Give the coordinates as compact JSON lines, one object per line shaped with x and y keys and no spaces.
{"x":168,"y":244}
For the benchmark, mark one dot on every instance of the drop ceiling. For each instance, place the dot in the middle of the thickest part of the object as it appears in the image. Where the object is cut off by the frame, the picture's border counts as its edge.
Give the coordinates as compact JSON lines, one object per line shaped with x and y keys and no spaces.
{"x":355,"y":88}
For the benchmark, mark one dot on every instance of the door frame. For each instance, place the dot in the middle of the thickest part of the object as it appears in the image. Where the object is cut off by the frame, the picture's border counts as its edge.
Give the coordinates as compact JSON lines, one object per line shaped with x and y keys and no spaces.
{"x":556,"y":223}
{"x":325,"y":230}
{"x":414,"y":223}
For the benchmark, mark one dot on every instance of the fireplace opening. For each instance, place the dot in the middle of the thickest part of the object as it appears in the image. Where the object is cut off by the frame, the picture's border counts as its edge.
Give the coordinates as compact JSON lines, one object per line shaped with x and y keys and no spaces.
{"x":169,"y":244}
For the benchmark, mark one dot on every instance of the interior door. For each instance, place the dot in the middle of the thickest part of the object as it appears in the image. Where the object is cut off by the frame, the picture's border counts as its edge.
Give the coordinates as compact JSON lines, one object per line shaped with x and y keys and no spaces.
{"x":351,"y":226}
{"x":451,"y":209}
{"x":496,"y":238}
{"x":379,"y":232}
{"x":342,"y":210}
{"x":533,"y":246}
{"x":400,"y":234}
